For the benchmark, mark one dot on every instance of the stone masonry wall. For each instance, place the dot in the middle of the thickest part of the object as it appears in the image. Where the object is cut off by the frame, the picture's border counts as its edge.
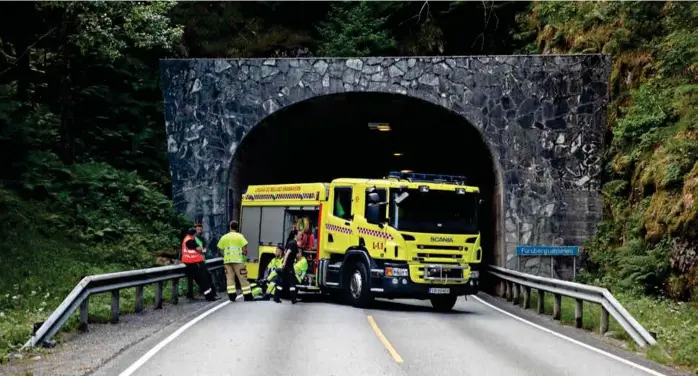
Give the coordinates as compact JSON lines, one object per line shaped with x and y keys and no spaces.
{"x":543,"y":117}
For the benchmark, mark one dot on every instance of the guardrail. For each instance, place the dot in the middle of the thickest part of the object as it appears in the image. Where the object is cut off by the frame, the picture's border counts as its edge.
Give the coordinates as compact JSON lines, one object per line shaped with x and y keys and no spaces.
{"x":113,"y":282}
{"x":513,"y":280}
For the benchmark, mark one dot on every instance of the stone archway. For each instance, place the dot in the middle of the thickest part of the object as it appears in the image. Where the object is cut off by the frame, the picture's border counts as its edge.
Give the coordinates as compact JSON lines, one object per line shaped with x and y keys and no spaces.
{"x":327,"y":137}
{"x":543,"y":117}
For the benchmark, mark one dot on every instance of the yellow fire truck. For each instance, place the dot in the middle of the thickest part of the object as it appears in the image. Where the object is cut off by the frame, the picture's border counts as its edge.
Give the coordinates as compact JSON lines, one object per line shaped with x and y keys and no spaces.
{"x":405,"y":236}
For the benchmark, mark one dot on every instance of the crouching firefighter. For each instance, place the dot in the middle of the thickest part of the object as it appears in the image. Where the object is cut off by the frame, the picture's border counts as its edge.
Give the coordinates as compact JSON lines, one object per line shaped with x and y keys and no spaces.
{"x":271,"y":274}
{"x":193,"y":260}
{"x":234,"y":248}
{"x":292,"y":272}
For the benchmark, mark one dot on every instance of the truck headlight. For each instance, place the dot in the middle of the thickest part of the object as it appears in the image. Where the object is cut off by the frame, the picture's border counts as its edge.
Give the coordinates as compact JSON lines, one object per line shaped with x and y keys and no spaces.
{"x":474,"y":274}
{"x":396,"y":272}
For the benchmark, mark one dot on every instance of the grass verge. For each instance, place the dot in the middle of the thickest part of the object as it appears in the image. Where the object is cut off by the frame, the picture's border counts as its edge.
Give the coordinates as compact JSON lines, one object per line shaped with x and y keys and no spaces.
{"x":675,"y":325}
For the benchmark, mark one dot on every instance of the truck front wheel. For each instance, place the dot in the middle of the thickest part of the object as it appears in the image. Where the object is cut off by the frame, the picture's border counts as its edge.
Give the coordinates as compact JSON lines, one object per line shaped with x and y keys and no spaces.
{"x":444,"y":303}
{"x":357,"y":290}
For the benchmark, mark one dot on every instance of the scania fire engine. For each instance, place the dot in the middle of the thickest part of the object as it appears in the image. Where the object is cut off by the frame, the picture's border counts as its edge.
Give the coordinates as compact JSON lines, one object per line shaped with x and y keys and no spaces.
{"x":404,"y":236}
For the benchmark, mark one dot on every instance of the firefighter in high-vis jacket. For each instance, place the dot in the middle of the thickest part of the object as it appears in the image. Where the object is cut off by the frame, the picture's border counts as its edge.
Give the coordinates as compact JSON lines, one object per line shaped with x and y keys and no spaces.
{"x":293,"y":272}
{"x":233,"y":245}
{"x":300,"y":267}
{"x":268,"y":283}
{"x":193,"y":260}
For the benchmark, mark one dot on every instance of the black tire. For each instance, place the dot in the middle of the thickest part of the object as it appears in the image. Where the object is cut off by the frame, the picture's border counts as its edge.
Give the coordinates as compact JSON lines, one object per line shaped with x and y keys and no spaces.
{"x":356,"y":288}
{"x":444,"y":303}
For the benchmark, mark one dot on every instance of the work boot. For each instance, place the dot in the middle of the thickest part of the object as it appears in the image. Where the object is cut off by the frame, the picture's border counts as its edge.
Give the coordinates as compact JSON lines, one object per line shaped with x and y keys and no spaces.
{"x":211,"y":295}
{"x":248,"y":297}
{"x":276,"y":296}
{"x":232,"y":297}
{"x":266,"y":297}
{"x":294,"y":296}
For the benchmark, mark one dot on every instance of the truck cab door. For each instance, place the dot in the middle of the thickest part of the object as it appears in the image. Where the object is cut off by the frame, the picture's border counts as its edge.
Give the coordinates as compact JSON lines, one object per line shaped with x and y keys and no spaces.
{"x":338,"y":226}
{"x":372,"y":228}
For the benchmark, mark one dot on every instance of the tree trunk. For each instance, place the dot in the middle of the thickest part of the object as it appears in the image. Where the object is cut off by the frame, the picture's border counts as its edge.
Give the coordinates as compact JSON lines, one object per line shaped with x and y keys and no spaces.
{"x":23,"y":69}
{"x":67,"y":136}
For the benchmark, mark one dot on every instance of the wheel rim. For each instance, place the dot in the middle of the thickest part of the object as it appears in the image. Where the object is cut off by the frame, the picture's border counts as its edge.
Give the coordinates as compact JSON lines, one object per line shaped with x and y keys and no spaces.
{"x":355,"y":285}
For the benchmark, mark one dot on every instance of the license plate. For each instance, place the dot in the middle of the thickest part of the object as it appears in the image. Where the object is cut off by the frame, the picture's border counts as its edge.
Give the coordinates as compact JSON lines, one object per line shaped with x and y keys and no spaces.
{"x":436,"y":290}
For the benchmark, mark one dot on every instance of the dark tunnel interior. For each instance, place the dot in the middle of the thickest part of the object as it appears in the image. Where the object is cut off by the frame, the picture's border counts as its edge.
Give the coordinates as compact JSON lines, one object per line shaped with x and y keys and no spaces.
{"x":329,"y":137}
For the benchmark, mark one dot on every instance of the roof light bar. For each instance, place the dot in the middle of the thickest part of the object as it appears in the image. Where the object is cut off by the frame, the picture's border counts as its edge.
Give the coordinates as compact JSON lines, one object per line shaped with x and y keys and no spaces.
{"x":409,"y":175}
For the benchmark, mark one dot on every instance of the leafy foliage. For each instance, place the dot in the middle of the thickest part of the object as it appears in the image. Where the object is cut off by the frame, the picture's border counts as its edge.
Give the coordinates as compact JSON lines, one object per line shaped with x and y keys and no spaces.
{"x":108,"y":29}
{"x":80,"y":85}
{"x":85,"y":191}
{"x":356,"y":29}
{"x":649,"y":197}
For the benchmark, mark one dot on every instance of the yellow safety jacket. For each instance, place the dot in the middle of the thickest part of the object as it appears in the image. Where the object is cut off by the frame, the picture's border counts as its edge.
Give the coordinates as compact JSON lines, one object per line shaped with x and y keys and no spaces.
{"x":276,"y":262}
{"x":300,"y":267}
{"x":232,"y":244}
{"x":270,"y":273}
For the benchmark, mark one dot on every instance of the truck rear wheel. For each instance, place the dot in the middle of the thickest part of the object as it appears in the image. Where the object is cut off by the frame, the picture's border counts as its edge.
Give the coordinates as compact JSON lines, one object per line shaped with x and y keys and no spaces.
{"x":356,"y":288}
{"x":444,"y":303}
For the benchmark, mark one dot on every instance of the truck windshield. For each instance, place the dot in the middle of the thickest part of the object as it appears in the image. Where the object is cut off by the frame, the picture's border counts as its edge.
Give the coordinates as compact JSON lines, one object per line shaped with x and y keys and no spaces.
{"x":442,"y":212}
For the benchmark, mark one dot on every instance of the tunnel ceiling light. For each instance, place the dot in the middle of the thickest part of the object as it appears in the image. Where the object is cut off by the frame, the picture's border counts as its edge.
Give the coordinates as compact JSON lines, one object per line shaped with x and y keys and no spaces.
{"x":397,"y":154}
{"x":381,"y":127}
{"x":406,"y":171}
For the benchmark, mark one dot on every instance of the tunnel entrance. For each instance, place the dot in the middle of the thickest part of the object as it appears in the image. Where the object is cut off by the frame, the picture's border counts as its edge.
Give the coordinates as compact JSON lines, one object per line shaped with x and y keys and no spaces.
{"x":333,"y":136}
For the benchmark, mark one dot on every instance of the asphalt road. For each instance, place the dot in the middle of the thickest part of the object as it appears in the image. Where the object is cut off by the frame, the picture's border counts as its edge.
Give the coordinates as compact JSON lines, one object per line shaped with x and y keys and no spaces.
{"x":405,"y":338}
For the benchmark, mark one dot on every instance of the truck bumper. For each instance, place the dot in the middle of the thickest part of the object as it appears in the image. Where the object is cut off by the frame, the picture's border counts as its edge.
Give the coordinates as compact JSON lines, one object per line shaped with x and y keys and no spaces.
{"x":406,"y":289}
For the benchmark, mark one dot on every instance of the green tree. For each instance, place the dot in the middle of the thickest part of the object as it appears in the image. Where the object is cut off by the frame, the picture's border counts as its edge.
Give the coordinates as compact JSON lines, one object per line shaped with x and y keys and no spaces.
{"x":356,"y":29}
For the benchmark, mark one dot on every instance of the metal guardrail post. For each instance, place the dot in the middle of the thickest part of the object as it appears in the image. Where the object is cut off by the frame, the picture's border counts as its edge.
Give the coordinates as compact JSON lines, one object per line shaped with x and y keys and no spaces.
{"x":526,"y":297}
{"x":175,"y":291}
{"x":603,"y":326}
{"x":139,"y":299}
{"x":515,"y":293}
{"x":513,"y":280}
{"x":578,"y":313}
{"x":158,"y":295}
{"x":557,"y":307}
{"x":84,"y":313}
{"x":114,"y":306}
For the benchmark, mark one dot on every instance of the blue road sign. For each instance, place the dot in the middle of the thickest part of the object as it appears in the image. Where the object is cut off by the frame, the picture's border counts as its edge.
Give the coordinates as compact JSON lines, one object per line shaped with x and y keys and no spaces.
{"x":545,"y":250}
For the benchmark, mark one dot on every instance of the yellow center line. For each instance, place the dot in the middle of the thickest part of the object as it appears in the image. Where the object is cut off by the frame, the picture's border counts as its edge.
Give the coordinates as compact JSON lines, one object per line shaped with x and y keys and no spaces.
{"x":386,"y":343}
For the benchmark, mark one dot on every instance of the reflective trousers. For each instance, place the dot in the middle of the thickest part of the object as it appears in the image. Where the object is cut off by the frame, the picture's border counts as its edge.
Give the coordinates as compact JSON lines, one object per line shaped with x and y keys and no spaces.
{"x":240,"y":271}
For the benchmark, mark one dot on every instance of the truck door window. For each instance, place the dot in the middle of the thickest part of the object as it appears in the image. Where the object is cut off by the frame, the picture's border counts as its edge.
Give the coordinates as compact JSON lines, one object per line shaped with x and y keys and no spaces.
{"x":375,"y":214}
{"x":342,"y":203}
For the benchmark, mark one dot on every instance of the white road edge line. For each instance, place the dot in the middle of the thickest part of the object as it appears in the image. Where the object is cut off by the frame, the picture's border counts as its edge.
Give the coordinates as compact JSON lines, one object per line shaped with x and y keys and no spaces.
{"x":582,"y":344}
{"x":143,"y":359}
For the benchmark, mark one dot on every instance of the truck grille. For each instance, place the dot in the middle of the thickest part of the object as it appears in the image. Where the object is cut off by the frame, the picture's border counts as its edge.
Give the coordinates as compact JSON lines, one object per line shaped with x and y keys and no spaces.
{"x":445,"y":273}
{"x":440,"y":247}
{"x":440,"y":255}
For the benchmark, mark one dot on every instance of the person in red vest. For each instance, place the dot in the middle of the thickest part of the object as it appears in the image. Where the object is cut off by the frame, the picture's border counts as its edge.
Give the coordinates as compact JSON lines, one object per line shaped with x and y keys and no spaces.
{"x":193,"y":260}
